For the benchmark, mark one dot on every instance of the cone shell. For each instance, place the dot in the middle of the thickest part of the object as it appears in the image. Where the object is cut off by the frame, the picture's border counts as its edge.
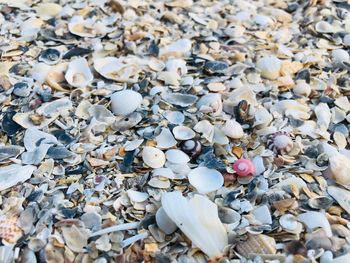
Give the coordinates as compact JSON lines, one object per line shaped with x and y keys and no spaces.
{"x":257,"y":244}
{"x":9,"y":231}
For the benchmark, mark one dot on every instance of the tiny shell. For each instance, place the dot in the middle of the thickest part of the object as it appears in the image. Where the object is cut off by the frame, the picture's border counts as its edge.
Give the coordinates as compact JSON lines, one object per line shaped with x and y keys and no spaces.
{"x":205,"y":180}
{"x":233,"y":129}
{"x":164,"y":222}
{"x":78,"y":73}
{"x":136,"y":196}
{"x":269,"y":67}
{"x":176,"y":156}
{"x":153,"y":157}
{"x":183,"y":133}
{"x":244,"y":167}
{"x":125,"y":102}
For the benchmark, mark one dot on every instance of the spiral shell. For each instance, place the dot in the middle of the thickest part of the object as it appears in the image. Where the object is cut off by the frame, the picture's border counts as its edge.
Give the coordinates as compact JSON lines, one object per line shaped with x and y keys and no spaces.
{"x":9,"y":231}
{"x":244,"y":167}
{"x":280,"y":142}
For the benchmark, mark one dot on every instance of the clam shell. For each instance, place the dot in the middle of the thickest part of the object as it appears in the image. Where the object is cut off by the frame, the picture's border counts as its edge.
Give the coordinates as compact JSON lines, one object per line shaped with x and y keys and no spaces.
{"x":164,"y":172}
{"x":183,"y":133}
{"x":288,"y":222}
{"x":269,"y":67}
{"x":340,"y":195}
{"x":302,"y":88}
{"x":174,"y":117}
{"x":125,"y":102}
{"x":340,"y":55}
{"x":164,"y":222}
{"x":78,"y":74}
{"x":153,"y":157}
{"x":210,"y":103}
{"x":233,"y":129}
{"x":257,"y":244}
{"x":165,"y":139}
{"x":324,"y":27}
{"x":339,"y":166}
{"x":205,"y":180}
{"x":177,"y":156}
{"x":136,"y":196}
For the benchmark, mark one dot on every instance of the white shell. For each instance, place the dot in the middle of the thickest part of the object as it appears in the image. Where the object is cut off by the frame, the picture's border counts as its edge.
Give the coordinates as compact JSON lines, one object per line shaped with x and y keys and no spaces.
{"x":13,"y":174}
{"x":302,"y":89}
{"x":177,"y":156}
{"x":136,"y":196}
{"x":292,"y":108}
{"x":165,"y":139}
{"x":233,"y":129}
{"x":262,"y":117}
{"x":259,"y":165}
{"x":342,"y":196}
{"x":181,"y":47}
{"x":206,"y":129}
{"x":339,"y":166}
{"x":210,"y":103}
{"x":314,"y":219}
{"x":164,"y":222}
{"x":346,"y":40}
{"x":340,"y":55}
{"x":262,"y":20}
{"x":125,"y":102}
{"x":164,"y":172}
{"x":78,"y":73}
{"x":324,"y":27}
{"x":288,"y":222}
{"x":342,"y":259}
{"x":30,"y":28}
{"x":153,"y":157}
{"x":198,"y":220}
{"x":269,"y":67}
{"x":205,"y":180}
{"x":174,"y":117}
{"x":183,"y":133}
{"x":87,"y":28}
{"x":132,"y":145}
{"x":262,"y":214}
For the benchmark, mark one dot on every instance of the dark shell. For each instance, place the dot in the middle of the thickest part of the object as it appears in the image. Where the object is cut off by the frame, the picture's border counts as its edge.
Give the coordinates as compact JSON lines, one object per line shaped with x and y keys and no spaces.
{"x":50,"y":56}
{"x":9,"y":125}
{"x":77,"y":52}
{"x":215,"y":66}
{"x":241,"y":112}
{"x":191,"y":147}
{"x":58,"y":152}
{"x":21,"y":89}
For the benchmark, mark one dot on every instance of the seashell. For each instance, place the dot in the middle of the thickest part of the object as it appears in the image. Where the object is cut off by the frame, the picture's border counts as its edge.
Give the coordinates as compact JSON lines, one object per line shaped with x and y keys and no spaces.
{"x":164,"y":222}
{"x":263,"y":21}
{"x":179,"y":99}
{"x":50,"y":56}
{"x":233,"y":129}
{"x":262,"y":214}
{"x":136,"y":196}
{"x":174,"y":117}
{"x":127,"y":122}
{"x":153,"y":157}
{"x":244,"y":167}
{"x":342,"y":259}
{"x":343,"y":103}
{"x":210,"y":103}
{"x":191,"y":147}
{"x":9,"y":231}
{"x":346,"y":40}
{"x":22,"y":89}
{"x":125,"y":102}
{"x":269,"y":67}
{"x":262,"y":118}
{"x":165,"y":139}
{"x":256,"y":244}
{"x":302,"y":89}
{"x":324,"y":27}
{"x":206,"y":129}
{"x":323,"y":115}
{"x":7,"y":254}
{"x":292,"y":108}
{"x":258,"y":164}
{"x":117,"y":69}
{"x":87,"y":28}
{"x":288,"y":222}
{"x":320,"y":202}
{"x":78,"y":74}
{"x":159,"y":182}
{"x":176,"y":156}
{"x":13,"y":174}
{"x":10,"y":151}
{"x":340,"y":55}
{"x":280,"y":142}
{"x":48,"y":10}
{"x":314,"y":220}
{"x":215,"y":66}
{"x":181,"y":47}
{"x":340,"y":195}
{"x":183,"y":133}
{"x":30,"y":28}
{"x":198,"y":220}
{"x":164,"y":172}
{"x":339,"y":166}
{"x":133,"y":145}
{"x":176,"y":65}
{"x":75,"y":237}
{"x":205,"y":180}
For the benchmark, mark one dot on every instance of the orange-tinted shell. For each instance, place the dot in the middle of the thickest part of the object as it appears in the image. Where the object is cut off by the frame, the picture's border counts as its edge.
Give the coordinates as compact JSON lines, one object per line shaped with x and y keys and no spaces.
{"x":9,"y":231}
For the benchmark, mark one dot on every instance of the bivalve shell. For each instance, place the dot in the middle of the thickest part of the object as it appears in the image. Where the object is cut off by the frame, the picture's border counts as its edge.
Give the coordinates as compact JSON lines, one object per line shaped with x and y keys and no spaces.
{"x":205,"y":180}
{"x":125,"y":102}
{"x":153,"y":157}
{"x":183,"y":133}
{"x":233,"y":129}
{"x":78,"y":74}
{"x":257,"y":244}
{"x":164,"y":222}
{"x":269,"y":67}
{"x":176,"y":156}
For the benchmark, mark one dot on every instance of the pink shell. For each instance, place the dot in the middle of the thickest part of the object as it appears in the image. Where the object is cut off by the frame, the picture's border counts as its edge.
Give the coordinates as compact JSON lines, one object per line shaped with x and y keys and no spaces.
{"x":244,"y":167}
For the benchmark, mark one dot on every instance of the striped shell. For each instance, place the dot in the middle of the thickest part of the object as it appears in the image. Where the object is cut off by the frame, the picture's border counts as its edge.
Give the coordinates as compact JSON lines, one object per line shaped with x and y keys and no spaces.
{"x":9,"y":231}
{"x":257,"y":244}
{"x":280,"y":142}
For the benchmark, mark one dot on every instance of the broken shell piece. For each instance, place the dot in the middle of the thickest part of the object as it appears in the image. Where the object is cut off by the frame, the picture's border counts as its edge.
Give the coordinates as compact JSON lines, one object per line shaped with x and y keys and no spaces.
{"x":164,"y":222}
{"x":86,"y":28}
{"x":13,"y":174}
{"x":174,"y":117}
{"x":314,"y":220}
{"x":136,"y":196}
{"x":244,"y":167}
{"x":78,"y":73}
{"x":205,"y":180}
{"x":125,"y":102}
{"x":339,"y":166}
{"x":183,"y":133}
{"x":257,"y":244}
{"x":48,"y":10}
{"x":9,"y":231}
{"x":176,"y":156}
{"x":153,"y":157}
{"x":323,"y":115}
{"x":288,"y":222}
{"x":50,"y":56}
{"x":233,"y":129}
{"x":30,"y":28}
{"x":198,"y":219}
{"x":269,"y":67}
{"x":210,"y":103}
{"x":280,"y":142}
{"x":302,"y":88}
{"x":340,"y":195}
{"x":262,"y":214}
{"x":165,"y":139}
{"x":10,"y":151}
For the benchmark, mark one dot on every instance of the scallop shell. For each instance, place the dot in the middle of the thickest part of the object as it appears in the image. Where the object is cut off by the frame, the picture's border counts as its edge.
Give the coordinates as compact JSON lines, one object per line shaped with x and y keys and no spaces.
{"x":183,"y":133}
{"x":205,"y":180}
{"x":78,"y":74}
{"x":233,"y":129}
{"x":340,"y":55}
{"x":125,"y":102}
{"x":164,"y":222}
{"x":269,"y":67}
{"x":257,"y":244}
{"x":153,"y":157}
{"x":9,"y":231}
{"x":176,"y":156}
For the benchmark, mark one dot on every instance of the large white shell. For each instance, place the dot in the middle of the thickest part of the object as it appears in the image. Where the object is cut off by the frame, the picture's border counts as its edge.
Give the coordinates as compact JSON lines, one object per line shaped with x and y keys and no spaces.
{"x":269,"y":67}
{"x":210,"y":103}
{"x":339,"y":166}
{"x":137,"y":196}
{"x":165,"y":139}
{"x":183,"y":133}
{"x":176,"y":156}
{"x":174,"y":117}
{"x":78,"y":73}
{"x":205,"y":180}
{"x":340,"y":55}
{"x":13,"y":174}
{"x":153,"y":157}
{"x":262,"y":117}
{"x":314,"y":220}
{"x":262,"y":214}
{"x":164,"y":172}
{"x":125,"y":102}
{"x":198,"y":220}
{"x":164,"y":222}
{"x":342,"y":196}
{"x":233,"y":129}
{"x":206,"y":129}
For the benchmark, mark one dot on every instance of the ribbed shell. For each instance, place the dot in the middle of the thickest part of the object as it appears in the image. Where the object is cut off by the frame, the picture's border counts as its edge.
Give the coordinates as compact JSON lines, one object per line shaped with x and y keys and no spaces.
{"x":9,"y":231}
{"x":258,"y":244}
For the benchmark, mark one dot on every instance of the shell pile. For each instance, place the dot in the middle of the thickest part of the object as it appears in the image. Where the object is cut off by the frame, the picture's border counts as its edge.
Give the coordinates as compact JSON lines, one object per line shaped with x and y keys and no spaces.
{"x":174,"y":131}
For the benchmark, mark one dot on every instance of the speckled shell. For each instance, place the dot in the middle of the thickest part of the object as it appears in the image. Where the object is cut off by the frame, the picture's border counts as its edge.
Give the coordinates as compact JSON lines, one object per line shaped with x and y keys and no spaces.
{"x":9,"y":231}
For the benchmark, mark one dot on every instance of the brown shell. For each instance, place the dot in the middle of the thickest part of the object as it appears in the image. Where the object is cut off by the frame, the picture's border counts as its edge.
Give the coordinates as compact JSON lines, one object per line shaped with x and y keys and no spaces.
{"x":9,"y":231}
{"x":257,"y":244}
